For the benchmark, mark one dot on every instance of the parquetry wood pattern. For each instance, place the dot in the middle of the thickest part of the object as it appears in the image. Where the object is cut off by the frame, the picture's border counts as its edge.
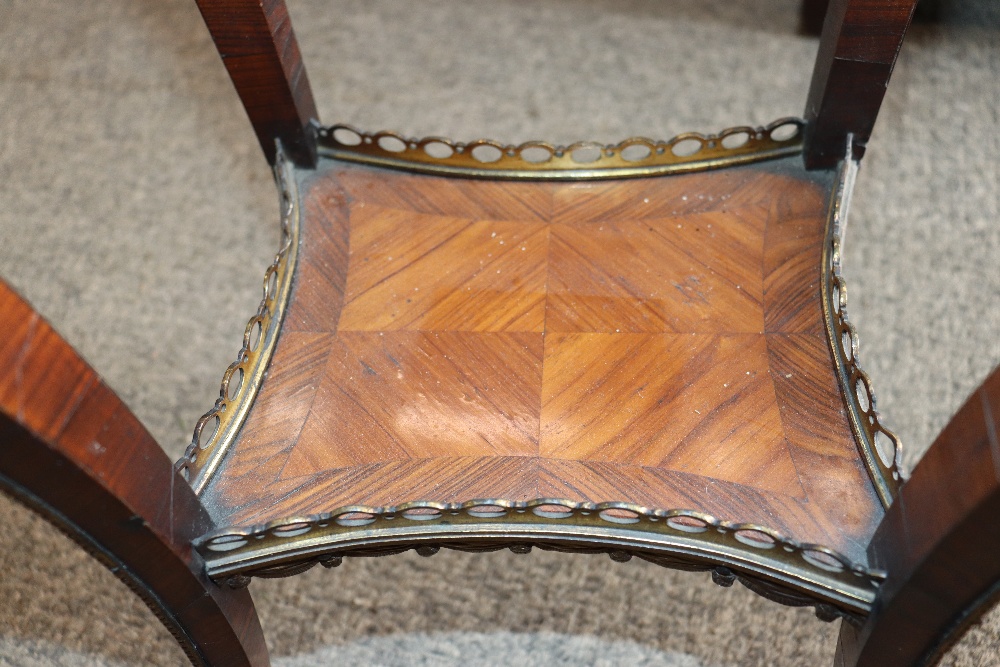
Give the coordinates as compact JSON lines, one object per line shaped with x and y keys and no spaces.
{"x":658,"y":341}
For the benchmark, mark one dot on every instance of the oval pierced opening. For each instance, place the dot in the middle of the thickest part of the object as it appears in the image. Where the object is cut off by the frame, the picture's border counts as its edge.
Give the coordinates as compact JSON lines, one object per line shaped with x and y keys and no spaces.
{"x":439,"y":150}
{"x":687,"y":524}
{"x":422,"y":513}
{"x":487,"y":511}
{"x":536,"y":154}
{"x":619,"y":515}
{"x":487,"y":154}
{"x":785,"y":132}
{"x":234,"y":384}
{"x":864,"y":400}
{"x":885,"y":448}
{"x":271,"y":285}
{"x":253,"y":337}
{"x":847,"y":345}
{"x":292,"y":529}
{"x":346,"y":137}
{"x":836,"y":299}
{"x":686,"y":147}
{"x":392,"y":144}
{"x":553,"y":511}
{"x":735,"y":140}
{"x":636,"y":152}
{"x":755,"y":538}
{"x":227,"y":543}
{"x":208,"y":431}
{"x":354,"y":519}
{"x":822,"y":560}
{"x":586,"y":154}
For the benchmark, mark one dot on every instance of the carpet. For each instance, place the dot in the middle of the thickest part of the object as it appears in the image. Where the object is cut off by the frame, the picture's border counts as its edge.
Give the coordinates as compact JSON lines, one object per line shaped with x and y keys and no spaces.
{"x":137,"y":214}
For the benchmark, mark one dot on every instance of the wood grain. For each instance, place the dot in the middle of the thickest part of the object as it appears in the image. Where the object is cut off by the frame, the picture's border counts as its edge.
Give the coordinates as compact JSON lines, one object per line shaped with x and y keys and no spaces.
{"x":939,"y":542}
{"x":657,"y":341}
{"x":71,"y":450}
{"x":447,"y":274}
{"x":258,"y":47}
{"x":858,"y":49}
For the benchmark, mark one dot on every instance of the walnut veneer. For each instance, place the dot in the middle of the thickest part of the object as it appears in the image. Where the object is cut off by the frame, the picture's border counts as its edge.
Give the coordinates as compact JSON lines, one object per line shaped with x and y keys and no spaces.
{"x":657,"y":341}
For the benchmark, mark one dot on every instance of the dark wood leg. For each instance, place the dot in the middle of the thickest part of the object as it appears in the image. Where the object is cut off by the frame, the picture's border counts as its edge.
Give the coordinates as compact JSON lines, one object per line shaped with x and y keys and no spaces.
{"x":261,"y":54}
{"x":811,"y":15}
{"x":939,"y":543}
{"x":71,"y":450}
{"x":215,"y":627}
{"x":857,"y":51}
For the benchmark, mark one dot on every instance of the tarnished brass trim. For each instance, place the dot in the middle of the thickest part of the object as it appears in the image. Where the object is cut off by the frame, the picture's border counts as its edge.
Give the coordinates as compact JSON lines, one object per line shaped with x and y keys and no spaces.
{"x":721,"y":574}
{"x":217,"y":428}
{"x":689,"y":539}
{"x":537,"y":160}
{"x":879,"y":447}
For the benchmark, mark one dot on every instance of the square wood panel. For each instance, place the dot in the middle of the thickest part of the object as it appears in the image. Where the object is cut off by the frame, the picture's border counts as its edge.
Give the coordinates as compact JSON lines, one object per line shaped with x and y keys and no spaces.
{"x":415,"y":395}
{"x":657,"y":341}
{"x":695,"y":403}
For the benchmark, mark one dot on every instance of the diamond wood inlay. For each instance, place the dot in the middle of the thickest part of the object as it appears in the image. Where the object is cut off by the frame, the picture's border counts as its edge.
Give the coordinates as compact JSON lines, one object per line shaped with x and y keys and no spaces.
{"x":657,"y":341}
{"x":700,"y":404}
{"x":414,"y":395}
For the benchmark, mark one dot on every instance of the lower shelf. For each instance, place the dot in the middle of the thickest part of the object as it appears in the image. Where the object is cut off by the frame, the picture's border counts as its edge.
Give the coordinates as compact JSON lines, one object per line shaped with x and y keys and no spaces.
{"x":648,"y":357}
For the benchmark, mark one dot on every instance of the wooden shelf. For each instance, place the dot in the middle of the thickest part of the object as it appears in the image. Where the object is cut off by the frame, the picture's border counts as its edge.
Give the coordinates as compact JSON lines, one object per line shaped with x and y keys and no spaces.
{"x":655,"y":341}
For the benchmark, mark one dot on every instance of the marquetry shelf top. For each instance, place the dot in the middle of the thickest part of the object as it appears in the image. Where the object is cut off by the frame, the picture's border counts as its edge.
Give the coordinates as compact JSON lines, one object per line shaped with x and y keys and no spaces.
{"x":658,"y":341}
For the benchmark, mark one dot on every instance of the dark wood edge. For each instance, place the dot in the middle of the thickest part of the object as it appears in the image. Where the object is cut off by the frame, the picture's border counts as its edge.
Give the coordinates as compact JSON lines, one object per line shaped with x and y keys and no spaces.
{"x":858,"y":49}
{"x":148,"y":595}
{"x":70,"y":449}
{"x":259,"y":49}
{"x":939,"y":542}
{"x":811,"y":15}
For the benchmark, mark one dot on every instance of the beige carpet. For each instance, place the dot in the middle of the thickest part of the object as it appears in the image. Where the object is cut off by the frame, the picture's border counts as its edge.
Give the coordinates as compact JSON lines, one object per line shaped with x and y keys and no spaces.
{"x":137,"y":214}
